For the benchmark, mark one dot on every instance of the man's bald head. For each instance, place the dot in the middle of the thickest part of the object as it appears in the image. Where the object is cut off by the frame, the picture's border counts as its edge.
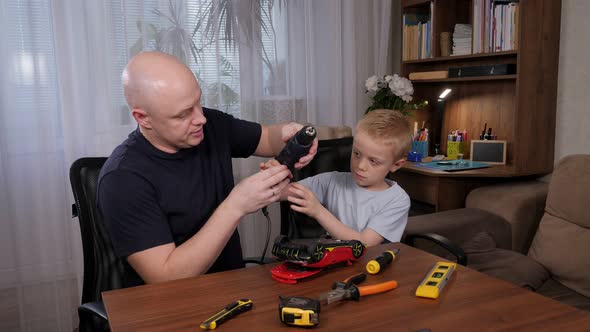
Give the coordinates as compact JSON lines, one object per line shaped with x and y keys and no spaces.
{"x":151,"y":80}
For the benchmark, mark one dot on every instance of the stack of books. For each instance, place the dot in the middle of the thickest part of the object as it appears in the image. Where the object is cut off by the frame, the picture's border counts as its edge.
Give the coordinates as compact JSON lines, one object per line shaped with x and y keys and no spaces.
{"x":462,"y":39}
{"x":496,"y":25}
{"x":417,"y":36}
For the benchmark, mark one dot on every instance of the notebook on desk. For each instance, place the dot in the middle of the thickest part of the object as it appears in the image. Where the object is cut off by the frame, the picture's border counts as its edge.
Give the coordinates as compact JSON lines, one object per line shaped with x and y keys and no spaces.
{"x":453,"y":165}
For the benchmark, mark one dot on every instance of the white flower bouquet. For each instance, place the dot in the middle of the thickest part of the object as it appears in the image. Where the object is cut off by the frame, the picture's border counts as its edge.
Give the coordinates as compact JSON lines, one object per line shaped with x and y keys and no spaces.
{"x":391,"y":92}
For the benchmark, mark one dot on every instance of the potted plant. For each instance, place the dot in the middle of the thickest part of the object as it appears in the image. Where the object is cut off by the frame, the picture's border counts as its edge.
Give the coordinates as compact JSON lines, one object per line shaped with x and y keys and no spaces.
{"x":391,"y":92}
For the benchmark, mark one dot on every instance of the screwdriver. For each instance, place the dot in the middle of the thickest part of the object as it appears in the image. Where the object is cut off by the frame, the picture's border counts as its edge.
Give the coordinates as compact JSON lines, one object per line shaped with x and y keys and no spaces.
{"x":377,"y":264}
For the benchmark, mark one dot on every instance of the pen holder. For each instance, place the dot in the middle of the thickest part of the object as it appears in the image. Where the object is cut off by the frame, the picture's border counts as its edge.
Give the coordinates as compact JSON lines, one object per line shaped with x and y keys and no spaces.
{"x":420,"y":147}
{"x":455,"y":148}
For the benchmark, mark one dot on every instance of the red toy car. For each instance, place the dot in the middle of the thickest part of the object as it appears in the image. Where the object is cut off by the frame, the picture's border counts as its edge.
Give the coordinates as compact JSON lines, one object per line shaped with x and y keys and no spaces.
{"x":306,"y":257}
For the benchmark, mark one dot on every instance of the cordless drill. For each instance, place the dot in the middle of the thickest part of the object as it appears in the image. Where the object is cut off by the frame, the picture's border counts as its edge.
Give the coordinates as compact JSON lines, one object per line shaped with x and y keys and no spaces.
{"x":297,"y":147}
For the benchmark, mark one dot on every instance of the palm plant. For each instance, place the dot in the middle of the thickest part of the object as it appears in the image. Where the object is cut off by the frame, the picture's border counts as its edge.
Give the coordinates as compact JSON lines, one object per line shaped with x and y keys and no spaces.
{"x":231,"y":22}
{"x":240,"y":22}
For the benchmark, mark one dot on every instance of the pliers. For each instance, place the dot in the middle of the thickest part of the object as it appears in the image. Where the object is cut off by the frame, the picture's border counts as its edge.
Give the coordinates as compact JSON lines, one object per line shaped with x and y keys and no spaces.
{"x":347,"y":289}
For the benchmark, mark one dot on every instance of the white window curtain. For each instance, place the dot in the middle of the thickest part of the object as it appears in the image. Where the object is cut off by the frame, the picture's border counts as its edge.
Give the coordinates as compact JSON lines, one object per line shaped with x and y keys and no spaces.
{"x":61,"y":99}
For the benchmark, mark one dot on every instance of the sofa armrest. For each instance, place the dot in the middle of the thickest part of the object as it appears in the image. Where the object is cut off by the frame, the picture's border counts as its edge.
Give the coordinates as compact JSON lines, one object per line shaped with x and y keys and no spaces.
{"x":461,"y":225}
{"x":521,"y":204}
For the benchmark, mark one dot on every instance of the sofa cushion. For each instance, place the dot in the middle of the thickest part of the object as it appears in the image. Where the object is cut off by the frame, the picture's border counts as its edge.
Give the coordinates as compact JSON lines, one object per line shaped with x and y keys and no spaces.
{"x":562,"y":241}
{"x":559,"y":292}
{"x":564,"y":249}
{"x":514,"y":267}
{"x":568,"y":191}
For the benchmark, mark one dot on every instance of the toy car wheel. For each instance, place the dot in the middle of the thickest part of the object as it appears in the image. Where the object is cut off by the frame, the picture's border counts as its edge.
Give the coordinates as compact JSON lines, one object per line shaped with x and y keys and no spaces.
{"x":318,"y":252}
{"x":357,"y":249}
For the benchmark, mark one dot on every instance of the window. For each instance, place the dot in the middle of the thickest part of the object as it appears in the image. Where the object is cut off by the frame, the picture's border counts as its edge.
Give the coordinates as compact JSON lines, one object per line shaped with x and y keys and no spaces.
{"x":30,"y":72}
{"x":163,"y":26}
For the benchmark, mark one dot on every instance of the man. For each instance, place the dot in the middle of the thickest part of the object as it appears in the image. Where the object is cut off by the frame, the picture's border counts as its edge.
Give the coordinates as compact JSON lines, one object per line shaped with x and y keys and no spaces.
{"x":167,"y":193}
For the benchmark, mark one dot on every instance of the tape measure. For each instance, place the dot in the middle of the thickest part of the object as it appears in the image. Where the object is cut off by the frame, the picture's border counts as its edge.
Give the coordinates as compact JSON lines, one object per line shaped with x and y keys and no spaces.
{"x":436,"y":279}
{"x":299,"y":311}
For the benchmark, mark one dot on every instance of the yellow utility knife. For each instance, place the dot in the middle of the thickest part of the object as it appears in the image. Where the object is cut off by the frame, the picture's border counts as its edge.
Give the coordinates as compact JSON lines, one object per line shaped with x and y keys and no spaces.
{"x":230,"y":311}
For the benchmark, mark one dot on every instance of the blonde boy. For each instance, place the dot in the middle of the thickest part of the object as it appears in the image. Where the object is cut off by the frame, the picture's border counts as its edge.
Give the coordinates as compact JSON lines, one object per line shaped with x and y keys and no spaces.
{"x":362,"y":204}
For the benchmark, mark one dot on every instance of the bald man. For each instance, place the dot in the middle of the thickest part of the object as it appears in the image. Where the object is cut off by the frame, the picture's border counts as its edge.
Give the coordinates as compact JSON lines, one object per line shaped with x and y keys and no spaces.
{"x":167,"y":193}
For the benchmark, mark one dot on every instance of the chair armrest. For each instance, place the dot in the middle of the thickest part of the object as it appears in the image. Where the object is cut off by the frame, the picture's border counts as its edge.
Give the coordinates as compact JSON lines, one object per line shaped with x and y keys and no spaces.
{"x":441,"y":241}
{"x":521,"y":204}
{"x":95,"y":309}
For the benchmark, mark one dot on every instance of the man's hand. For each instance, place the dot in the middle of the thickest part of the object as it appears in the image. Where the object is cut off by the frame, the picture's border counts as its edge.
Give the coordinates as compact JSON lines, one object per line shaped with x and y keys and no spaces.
{"x":304,"y":200}
{"x":259,"y":190}
{"x":272,"y":163}
{"x":289,"y":130}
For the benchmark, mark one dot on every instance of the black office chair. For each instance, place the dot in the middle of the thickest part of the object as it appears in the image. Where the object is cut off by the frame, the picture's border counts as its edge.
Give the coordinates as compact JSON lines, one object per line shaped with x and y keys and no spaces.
{"x":102,"y":269}
{"x":334,"y":155}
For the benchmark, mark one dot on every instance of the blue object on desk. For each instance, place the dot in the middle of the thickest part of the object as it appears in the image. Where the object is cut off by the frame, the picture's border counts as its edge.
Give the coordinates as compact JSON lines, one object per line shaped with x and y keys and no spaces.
{"x":421,"y":147}
{"x":414,"y":156}
{"x":453,"y":165}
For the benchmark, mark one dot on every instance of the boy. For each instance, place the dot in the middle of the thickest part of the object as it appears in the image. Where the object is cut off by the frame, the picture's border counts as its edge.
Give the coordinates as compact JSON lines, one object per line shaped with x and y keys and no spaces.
{"x":363,"y":204}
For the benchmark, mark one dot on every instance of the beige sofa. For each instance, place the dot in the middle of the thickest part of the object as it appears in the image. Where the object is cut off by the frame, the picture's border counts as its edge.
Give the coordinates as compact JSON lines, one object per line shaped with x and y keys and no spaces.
{"x":532,"y":234}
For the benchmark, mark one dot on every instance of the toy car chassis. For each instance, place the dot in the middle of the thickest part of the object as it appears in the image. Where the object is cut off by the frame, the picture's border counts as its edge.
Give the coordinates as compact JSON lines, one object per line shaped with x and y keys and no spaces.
{"x":306,"y":257}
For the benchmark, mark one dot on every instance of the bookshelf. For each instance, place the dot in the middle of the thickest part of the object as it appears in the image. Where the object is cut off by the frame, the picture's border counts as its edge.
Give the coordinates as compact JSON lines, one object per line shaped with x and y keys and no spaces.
{"x":519,"y":107}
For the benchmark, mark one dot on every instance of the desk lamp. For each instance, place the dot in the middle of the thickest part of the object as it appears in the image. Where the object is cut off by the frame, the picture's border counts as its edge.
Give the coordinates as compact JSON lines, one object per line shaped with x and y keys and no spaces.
{"x":437,"y":123}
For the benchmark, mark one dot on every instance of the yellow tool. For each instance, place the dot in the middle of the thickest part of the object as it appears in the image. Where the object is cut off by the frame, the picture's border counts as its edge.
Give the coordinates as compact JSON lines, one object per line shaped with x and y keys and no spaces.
{"x":299,"y":311}
{"x":230,"y":311}
{"x":377,"y":264}
{"x":436,"y":280}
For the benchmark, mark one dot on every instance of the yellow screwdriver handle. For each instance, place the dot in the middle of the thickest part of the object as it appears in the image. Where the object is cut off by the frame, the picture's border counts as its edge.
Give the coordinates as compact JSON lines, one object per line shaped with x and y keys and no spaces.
{"x":376,"y":265}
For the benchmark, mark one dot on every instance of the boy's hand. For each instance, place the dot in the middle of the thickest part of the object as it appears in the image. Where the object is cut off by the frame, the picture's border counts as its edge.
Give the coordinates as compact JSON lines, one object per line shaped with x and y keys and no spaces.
{"x":304,"y":200}
{"x":270,"y":163}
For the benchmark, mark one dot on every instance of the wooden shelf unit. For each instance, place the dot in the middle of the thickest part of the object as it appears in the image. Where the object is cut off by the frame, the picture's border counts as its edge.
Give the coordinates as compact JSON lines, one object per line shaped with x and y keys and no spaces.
{"x":465,"y":79}
{"x":462,"y":57}
{"x":520,"y":108}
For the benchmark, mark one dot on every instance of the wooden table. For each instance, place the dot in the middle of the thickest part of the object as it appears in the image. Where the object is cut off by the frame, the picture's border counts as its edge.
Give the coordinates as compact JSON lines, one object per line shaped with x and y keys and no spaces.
{"x":471,"y":301}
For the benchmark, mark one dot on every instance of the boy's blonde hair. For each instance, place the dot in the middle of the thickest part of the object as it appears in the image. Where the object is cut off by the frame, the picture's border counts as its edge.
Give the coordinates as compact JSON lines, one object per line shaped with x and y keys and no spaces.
{"x":389,"y":127}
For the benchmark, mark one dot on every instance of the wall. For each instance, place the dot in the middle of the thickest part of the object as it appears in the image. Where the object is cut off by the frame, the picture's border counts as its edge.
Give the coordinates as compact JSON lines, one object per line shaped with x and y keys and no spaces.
{"x":573,"y":93}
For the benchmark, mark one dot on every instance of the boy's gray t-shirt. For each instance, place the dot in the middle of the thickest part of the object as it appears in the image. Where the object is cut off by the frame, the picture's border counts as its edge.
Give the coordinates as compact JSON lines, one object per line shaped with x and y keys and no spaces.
{"x":385,"y":212}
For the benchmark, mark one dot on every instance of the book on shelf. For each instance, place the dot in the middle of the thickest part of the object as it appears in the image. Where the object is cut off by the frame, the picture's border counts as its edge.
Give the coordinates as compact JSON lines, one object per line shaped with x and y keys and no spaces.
{"x":417,"y":35}
{"x":496,"y":25}
{"x":429,"y":75}
{"x":462,"y":36}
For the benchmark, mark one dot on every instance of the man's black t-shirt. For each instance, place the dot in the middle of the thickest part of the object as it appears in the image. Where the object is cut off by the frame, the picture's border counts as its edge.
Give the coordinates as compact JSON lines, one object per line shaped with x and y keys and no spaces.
{"x":149,"y":198}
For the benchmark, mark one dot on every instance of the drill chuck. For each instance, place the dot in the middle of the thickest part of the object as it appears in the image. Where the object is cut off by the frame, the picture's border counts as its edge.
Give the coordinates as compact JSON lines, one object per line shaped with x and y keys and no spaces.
{"x":298,"y":146}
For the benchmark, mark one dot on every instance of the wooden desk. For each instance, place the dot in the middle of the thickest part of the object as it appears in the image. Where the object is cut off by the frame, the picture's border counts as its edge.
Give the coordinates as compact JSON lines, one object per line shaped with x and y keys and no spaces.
{"x":448,"y":190}
{"x":471,"y":301}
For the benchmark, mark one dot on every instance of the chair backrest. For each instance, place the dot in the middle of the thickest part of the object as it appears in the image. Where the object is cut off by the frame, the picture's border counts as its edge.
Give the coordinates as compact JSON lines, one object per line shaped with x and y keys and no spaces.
{"x":332,"y":155}
{"x":102,"y":269}
{"x":562,"y":241}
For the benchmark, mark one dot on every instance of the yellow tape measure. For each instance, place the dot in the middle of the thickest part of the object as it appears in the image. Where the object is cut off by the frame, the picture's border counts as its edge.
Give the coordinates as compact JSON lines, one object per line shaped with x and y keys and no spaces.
{"x":436,"y":279}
